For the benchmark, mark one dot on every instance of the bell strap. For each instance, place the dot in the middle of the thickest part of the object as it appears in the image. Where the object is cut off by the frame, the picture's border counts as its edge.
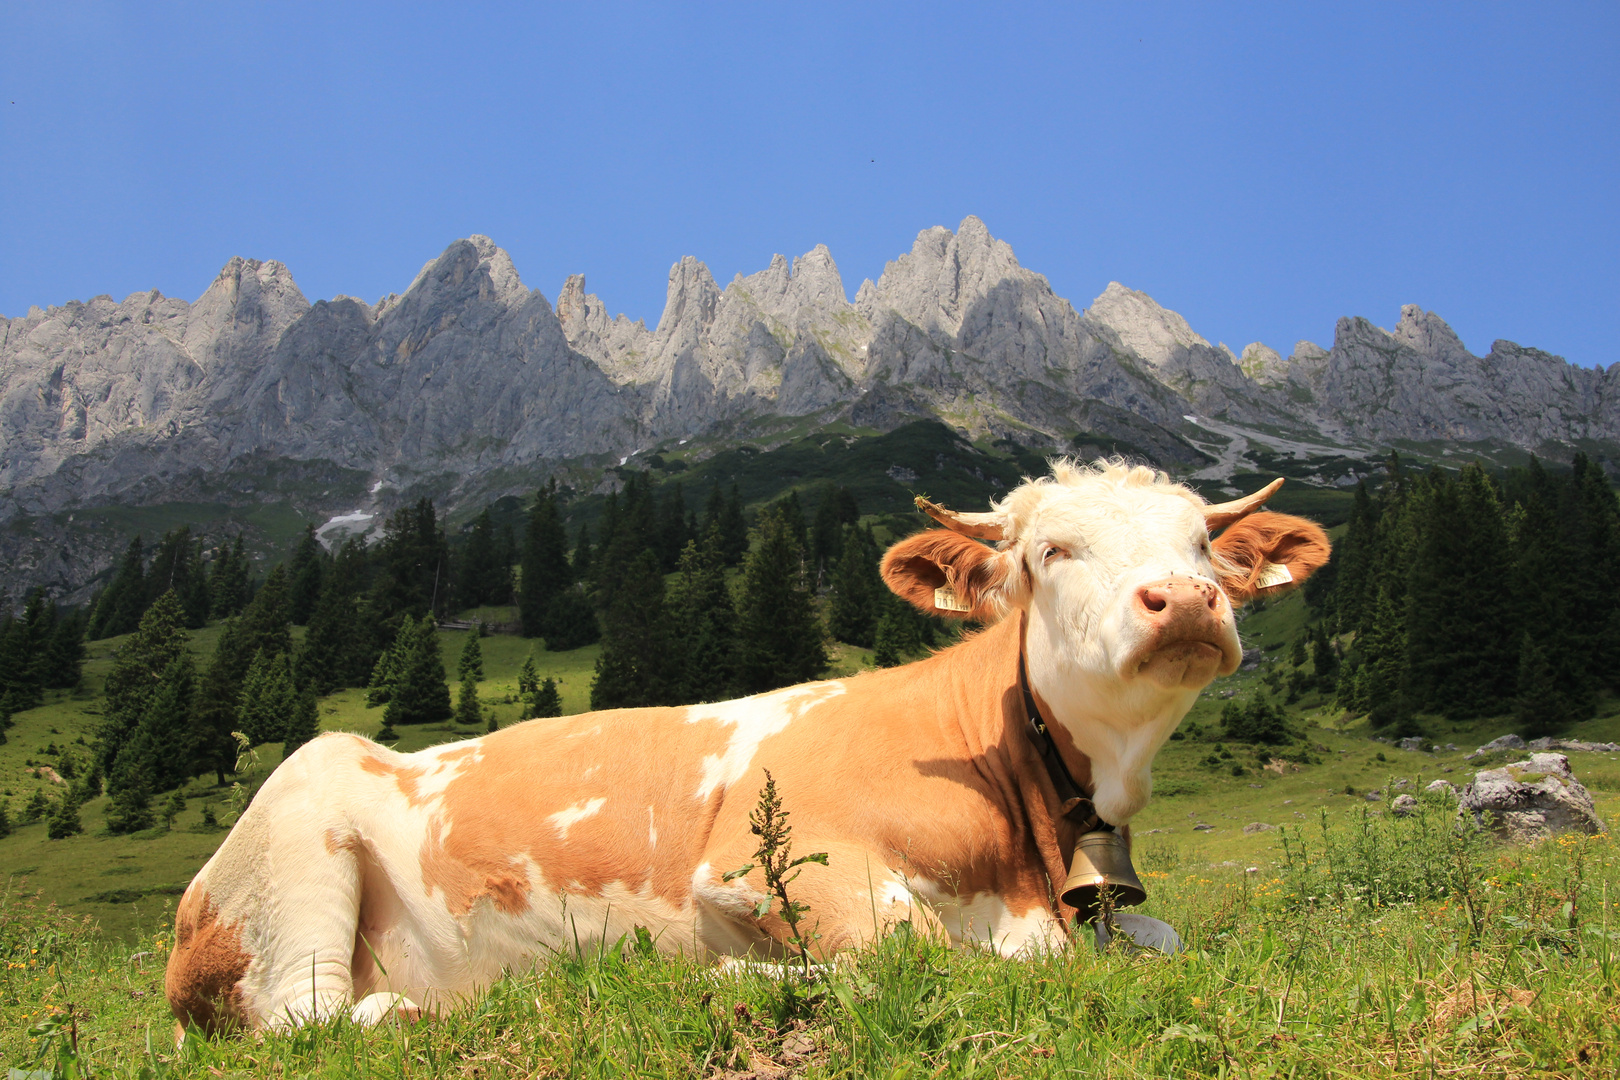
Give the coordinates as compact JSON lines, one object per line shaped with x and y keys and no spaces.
{"x":1076,"y":803}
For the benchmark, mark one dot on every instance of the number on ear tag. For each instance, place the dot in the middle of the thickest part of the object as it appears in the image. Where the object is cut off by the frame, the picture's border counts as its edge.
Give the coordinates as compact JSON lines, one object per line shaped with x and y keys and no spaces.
{"x":945,"y":599}
{"x":1273,"y":575}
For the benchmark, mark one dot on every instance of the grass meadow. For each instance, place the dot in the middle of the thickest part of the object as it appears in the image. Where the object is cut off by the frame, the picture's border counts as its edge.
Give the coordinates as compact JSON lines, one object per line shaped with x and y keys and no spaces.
{"x":1326,"y":939}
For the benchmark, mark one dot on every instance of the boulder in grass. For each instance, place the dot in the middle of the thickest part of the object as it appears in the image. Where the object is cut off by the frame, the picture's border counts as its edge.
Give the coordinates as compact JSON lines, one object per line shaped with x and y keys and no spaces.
{"x":1442,"y":787}
{"x":1531,"y":800}
{"x":1506,"y":742}
{"x":1403,"y":805}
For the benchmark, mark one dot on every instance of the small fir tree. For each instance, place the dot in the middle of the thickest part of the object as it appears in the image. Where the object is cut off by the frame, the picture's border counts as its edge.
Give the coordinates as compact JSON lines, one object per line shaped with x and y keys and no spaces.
{"x":35,"y":807}
{"x":420,"y":694}
{"x":173,"y":807}
{"x":701,"y":604}
{"x":547,"y":700}
{"x":472,"y":660}
{"x":528,"y":678}
{"x":467,"y":710}
{"x":269,"y":699}
{"x":130,"y":807}
{"x":634,"y":667}
{"x":64,"y":820}
{"x":780,"y":636}
{"x":303,"y":725}
{"x":137,"y":671}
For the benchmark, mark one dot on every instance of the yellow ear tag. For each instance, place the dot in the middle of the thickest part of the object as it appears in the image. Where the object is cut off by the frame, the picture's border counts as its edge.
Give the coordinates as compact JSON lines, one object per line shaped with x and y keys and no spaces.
{"x":1273,"y":575}
{"x":945,"y":599}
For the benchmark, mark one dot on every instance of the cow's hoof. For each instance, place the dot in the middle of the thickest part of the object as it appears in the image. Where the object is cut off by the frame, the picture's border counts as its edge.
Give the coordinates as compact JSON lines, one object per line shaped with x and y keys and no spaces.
{"x":1143,"y":930}
{"x":375,"y":1008}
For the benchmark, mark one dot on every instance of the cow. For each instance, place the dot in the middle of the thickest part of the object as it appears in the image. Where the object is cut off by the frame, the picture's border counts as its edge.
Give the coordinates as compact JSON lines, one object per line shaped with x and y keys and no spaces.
{"x":366,"y":881}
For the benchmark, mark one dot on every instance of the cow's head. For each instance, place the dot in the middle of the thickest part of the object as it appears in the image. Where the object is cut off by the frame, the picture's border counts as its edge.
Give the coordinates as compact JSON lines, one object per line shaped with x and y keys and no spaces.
{"x":1127,"y":582}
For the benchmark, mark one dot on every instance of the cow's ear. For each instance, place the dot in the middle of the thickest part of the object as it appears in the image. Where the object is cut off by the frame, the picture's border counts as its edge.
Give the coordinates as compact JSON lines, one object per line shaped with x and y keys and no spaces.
{"x":944,"y":573}
{"x":1266,"y":554}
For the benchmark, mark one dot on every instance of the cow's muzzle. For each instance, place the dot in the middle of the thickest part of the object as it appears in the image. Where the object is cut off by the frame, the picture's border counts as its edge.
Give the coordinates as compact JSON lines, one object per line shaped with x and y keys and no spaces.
{"x":1187,"y":636}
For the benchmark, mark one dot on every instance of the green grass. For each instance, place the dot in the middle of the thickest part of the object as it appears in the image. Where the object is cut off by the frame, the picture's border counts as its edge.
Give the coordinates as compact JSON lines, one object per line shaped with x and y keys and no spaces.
{"x":1388,"y":991}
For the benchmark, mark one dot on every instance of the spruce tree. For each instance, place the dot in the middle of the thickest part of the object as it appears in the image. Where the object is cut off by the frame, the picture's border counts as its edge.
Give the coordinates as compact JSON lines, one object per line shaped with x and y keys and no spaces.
{"x":1541,"y":706}
{"x":219,"y":693}
{"x":571,"y":621}
{"x":467,"y":710}
{"x":137,"y":672}
{"x":702,"y":607}
{"x":305,"y":574}
{"x":472,"y":660}
{"x":119,"y":608}
{"x":1324,"y":660}
{"x":545,"y":570}
{"x":64,"y":820}
{"x":889,"y":638}
{"x":547,"y":700}
{"x":335,"y":651}
{"x":420,"y":694}
{"x":580,"y":567}
{"x":733,"y":529}
{"x":129,"y":807}
{"x":634,"y":667}
{"x":387,"y":670}
{"x":197,"y":601}
{"x":173,"y":807}
{"x":780,"y":636}
{"x":672,"y":532}
{"x":35,"y":808}
{"x":483,"y":573}
{"x":228,"y":579}
{"x":858,"y":593}
{"x":266,"y":621}
{"x":412,"y":563}
{"x":303,"y":725}
{"x":268,"y":700}
{"x":528,"y":678}
{"x":163,"y":740}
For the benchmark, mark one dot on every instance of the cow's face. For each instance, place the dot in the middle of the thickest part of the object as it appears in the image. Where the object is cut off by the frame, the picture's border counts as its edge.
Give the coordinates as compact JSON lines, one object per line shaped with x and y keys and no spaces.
{"x":1128,"y":601}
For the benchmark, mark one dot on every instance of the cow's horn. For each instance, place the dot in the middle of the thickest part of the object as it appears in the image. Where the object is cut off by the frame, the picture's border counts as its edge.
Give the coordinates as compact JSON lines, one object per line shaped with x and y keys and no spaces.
{"x":979,"y":526}
{"x":1220,"y":515}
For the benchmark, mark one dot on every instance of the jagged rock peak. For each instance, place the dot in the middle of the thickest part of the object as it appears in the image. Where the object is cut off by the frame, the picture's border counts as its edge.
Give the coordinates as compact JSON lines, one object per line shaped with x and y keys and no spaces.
{"x":945,"y":271}
{"x":476,"y":259}
{"x":1153,"y":332}
{"x":692,"y":295}
{"x":1428,"y":333}
{"x":1261,"y":363}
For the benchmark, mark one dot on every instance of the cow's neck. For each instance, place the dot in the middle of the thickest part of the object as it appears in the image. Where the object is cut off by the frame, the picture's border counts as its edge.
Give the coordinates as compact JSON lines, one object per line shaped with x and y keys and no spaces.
{"x":1100,"y":724}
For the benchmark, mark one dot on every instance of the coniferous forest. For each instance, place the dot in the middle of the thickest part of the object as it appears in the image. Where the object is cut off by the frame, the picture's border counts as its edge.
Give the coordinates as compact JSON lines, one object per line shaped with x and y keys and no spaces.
{"x":1451,"y":596}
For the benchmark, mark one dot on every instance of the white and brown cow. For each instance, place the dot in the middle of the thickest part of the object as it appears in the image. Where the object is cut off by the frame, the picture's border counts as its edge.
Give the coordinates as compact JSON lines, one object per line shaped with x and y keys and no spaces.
{"x":365,"y":879}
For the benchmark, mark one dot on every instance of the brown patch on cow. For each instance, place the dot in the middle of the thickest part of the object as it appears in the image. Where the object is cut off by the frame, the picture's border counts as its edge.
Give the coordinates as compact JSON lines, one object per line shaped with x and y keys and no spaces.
{"x":203,"y":977}
{"x":1300,"y":545}
{"x":936,"y":558}
{"x":406,"y":777}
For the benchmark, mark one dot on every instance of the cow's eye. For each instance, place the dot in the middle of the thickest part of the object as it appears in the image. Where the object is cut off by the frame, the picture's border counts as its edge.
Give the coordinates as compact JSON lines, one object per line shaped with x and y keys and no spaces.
{"x":1053,"y":552}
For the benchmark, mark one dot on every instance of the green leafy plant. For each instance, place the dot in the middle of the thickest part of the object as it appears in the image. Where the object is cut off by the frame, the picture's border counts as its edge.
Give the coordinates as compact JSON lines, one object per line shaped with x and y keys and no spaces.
{"x":768,"y":821}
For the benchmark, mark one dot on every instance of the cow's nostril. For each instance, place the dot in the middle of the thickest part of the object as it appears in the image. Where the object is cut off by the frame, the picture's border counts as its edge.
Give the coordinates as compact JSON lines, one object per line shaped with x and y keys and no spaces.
{"x":1152,"y":600}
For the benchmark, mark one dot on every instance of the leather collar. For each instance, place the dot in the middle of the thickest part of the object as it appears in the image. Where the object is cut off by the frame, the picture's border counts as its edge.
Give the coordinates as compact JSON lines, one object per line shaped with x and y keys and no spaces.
{"x":1077,"y":807}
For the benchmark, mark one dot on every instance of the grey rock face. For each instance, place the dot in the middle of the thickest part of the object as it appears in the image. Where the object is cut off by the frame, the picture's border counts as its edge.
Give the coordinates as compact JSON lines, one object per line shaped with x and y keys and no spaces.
{"x":1403,"y":805}
{"x":1442,"y":787}
{"x":1532,"y":799}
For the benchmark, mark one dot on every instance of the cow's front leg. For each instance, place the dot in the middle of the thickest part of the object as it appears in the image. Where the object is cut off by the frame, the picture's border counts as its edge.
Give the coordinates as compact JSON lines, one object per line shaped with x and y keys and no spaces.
{"x":853,"y":900}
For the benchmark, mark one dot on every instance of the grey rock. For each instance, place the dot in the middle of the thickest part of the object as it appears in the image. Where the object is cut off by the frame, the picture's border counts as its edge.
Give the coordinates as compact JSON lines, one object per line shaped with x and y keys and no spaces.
{"x":1201,"y":827}
{"x":1504,"y":742}
{"x":1441,"y":787}
{"x":1403,"y":805}
{"x":1574,"y":744}
{"x":1414,"y":742}
{"x":1530,"y":800}
{"x":1256,"y":827}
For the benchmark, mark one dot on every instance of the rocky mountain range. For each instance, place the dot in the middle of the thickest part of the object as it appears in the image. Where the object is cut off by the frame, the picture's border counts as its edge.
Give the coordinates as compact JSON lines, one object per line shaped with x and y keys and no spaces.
{"x":469,"y":382}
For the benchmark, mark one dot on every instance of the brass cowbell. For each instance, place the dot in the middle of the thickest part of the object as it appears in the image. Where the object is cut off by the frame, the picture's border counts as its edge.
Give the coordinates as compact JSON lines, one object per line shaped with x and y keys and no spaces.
{"x":1101,"y":859}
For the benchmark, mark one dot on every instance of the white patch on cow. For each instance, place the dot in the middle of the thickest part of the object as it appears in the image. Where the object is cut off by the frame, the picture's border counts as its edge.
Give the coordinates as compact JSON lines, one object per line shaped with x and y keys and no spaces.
{"x":652,"y":829}
{"x":595,"y":729}
{"x":984,"y":919}
{"x":895,"y":892}
{"x":563,"y":820}
{"x":588,"y":773}
{"x":375,"y":1008}
{"x":752,"y":720}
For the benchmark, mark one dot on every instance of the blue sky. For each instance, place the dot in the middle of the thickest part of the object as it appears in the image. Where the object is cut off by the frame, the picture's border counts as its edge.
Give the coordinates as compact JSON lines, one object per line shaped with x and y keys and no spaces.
{"x":1262,"y":169}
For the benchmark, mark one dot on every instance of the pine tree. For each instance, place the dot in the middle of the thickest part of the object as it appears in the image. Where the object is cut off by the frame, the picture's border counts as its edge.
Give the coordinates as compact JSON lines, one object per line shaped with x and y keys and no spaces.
{"x":335,"y":652}
{"x":219,"y":692}
{"x":129,"y":808}
{"x":390,"y":664}
{"x":733,"y":529}
{"x":64,"y":820}
{"x":528,"y":678}
{"x":412,"y":563}
{"x":173,"y":807}
{"x":483,"y":573}
{"x":701,"y":605}
{"x":1541,"y":706}
{"x":781,"y":638}
{"x":228,"y":579}
{"x":64,"y":652}
{"x":634,"y":667}
{"x":303,"y":725}
{"x":266,"y":621}
{"x":889,"y":638}
{"x":571,"y":621}
{"x":137,"y":672}
{"x":467,"y":710}
{"x":420,"y":694}
{"x":305,"y":573}
{"x":472,"y":660}
{"x":858,"y":593}
{"x":545,"y":569}
{"x":119,"y":608}
{"x":269,"y":699}
{"x":547,"y":700}
{"x":836,"y":511}
{"x":35,"y":808}
{"x":197,"y":601}
{"x":672,"y":533}
{"x":1324,"y":660}
{"x":1460,"y":644}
